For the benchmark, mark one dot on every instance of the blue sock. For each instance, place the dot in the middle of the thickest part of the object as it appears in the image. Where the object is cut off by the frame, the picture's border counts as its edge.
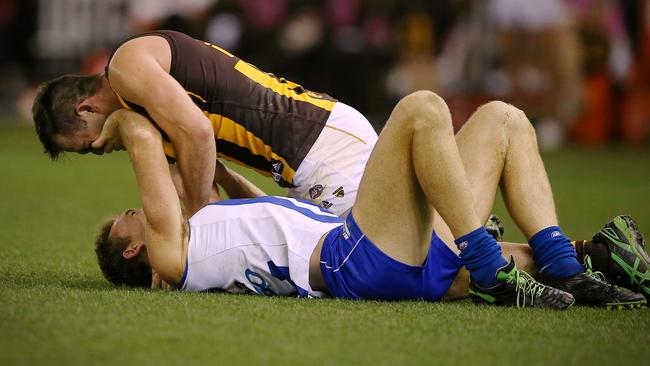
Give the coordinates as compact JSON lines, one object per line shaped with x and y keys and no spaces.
{"x":481,"y":255}
{"x":554,"y":254}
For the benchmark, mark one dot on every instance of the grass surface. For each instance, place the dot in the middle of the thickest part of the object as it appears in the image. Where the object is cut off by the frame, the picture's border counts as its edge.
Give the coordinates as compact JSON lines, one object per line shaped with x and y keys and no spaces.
{"x":58,"y":310}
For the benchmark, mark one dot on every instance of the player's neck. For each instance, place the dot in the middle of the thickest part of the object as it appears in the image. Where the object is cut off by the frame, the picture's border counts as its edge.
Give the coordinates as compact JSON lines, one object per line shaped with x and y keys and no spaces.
{"x":107,"y":97}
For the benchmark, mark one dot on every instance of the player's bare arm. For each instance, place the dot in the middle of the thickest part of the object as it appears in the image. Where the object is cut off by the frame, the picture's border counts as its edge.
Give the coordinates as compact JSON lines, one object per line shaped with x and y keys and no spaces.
{"x":235,"y":185}
{"x":140,"y":73}
{"x":164,"y":233}
{"x":180,"y":188}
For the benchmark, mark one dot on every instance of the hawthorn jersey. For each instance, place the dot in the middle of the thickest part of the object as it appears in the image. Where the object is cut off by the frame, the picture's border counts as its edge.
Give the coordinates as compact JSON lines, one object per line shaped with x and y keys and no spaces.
{"x":259,"y":121}
{"x":257,"y":245}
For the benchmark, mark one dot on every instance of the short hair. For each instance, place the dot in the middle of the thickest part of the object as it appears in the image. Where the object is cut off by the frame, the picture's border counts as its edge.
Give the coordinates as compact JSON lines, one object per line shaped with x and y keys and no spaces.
{"x":54,"y":112}
{"x":116,"y":269}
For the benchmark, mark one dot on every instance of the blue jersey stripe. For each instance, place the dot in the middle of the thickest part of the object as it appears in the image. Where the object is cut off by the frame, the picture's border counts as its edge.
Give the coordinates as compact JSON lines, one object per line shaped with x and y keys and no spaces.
{"x":284,"y":202}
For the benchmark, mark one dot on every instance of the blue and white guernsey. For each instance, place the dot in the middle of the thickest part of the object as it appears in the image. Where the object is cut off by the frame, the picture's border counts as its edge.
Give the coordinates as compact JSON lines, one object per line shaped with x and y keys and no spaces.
{"x":259,"y":245}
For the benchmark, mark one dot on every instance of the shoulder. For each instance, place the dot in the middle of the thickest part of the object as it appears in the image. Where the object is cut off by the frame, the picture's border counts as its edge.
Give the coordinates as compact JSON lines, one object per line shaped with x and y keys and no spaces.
{"x":130,"y":52}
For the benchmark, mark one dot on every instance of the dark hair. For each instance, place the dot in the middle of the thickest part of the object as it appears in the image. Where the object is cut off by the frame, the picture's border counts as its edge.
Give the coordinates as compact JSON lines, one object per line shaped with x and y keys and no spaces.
{"x":54,"y":107}
{"x":117,"y":269}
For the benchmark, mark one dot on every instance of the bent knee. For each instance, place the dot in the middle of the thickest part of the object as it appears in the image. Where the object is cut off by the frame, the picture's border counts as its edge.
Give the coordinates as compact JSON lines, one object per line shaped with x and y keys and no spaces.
{"x":506,"y":116}
{"x":422,"y":100}
{"x":424,"y":108}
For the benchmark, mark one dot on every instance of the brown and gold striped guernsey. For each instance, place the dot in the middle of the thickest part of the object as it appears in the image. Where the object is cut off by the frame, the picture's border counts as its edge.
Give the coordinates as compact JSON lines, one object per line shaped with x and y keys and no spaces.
{"x":259,"y":120}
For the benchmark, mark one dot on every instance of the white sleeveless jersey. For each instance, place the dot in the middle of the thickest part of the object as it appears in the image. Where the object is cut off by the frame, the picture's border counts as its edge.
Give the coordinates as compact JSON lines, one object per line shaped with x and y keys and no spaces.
{"x":260,"y":245}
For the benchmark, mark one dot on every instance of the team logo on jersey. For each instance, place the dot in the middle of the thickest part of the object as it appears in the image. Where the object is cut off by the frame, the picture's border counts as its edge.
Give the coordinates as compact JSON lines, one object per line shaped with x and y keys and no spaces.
{"x":277,"y":166}
{"x":339,"y":192}
{"x":463,"y":245}
{"x":327,"y":204}
{"x":276,"y":170}
{"x":316,"y":191}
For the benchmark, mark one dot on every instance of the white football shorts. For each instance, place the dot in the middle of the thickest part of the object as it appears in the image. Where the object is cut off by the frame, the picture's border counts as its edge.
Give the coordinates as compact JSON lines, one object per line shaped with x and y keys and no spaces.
{"x":330,"y":174}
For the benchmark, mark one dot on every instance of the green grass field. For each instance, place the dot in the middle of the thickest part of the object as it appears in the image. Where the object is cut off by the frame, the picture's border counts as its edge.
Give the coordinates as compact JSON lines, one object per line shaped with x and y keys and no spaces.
{"x":56,"y":308}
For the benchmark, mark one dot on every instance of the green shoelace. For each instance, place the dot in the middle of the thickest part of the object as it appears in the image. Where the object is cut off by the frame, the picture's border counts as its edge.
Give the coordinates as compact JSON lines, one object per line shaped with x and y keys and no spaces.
{"x":597,"y":275}
{"x":525,"y":286}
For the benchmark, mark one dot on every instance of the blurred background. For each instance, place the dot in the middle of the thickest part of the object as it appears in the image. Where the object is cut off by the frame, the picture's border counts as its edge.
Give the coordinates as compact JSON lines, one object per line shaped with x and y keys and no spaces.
{"x":579,"y":68}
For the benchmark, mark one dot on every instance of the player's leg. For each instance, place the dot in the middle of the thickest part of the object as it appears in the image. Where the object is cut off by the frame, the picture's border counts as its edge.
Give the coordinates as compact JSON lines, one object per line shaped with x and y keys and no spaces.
{"x":492,"y":140}
{"x":416,"y":166}
{"x":498,"y":146}
{"x":391,"y":209}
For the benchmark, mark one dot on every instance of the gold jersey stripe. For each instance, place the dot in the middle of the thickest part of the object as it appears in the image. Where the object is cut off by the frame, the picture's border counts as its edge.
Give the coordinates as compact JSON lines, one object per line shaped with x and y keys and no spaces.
{"x":219,"y":49}
{"x":283,"y":88}
{"x":226,"y":129}
{"x":122,"y":102}
{"x":168,"y":148}
{"x":196,"y":95}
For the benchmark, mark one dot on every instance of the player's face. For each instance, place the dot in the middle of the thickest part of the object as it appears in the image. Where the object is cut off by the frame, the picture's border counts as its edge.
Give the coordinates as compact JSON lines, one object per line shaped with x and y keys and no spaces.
{"x":79,"y":141}
{"x":130,"y":223}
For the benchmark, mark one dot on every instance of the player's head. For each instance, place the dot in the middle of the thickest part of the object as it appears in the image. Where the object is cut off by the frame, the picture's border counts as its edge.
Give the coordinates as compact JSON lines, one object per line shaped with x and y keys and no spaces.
{"x":121,"y":251}
{"x":66,"y":116}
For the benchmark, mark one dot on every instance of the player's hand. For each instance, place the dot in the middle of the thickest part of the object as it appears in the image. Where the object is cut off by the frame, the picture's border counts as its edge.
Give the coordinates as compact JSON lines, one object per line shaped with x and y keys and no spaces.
{"x":109,"y":139}
{"x":157,"y":282}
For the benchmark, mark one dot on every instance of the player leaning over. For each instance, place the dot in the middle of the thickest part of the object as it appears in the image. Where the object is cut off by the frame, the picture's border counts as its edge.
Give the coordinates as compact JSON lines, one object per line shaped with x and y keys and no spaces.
{"x":201,"y":97}
{"x":386,"y":248}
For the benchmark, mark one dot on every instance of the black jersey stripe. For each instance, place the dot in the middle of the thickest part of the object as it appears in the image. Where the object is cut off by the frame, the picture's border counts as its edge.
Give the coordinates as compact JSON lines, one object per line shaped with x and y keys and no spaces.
{"x":228,"y":151}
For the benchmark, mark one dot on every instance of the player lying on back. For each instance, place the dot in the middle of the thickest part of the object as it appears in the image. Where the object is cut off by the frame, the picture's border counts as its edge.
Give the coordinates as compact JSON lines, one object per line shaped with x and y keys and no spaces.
{"x":386,"y":248}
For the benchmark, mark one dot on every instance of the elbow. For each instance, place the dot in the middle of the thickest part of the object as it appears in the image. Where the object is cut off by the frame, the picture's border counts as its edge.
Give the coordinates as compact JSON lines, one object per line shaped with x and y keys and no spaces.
{"x":204,"y":133}
{"x":200,"y":134}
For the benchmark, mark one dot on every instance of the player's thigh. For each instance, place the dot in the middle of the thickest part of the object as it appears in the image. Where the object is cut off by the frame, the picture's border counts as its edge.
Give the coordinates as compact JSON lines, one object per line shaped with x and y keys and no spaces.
{"x":391,"y":208}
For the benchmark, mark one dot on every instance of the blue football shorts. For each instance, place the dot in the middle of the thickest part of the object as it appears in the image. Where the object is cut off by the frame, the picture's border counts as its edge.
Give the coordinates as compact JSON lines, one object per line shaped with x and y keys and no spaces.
{"x":355,"y":268}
